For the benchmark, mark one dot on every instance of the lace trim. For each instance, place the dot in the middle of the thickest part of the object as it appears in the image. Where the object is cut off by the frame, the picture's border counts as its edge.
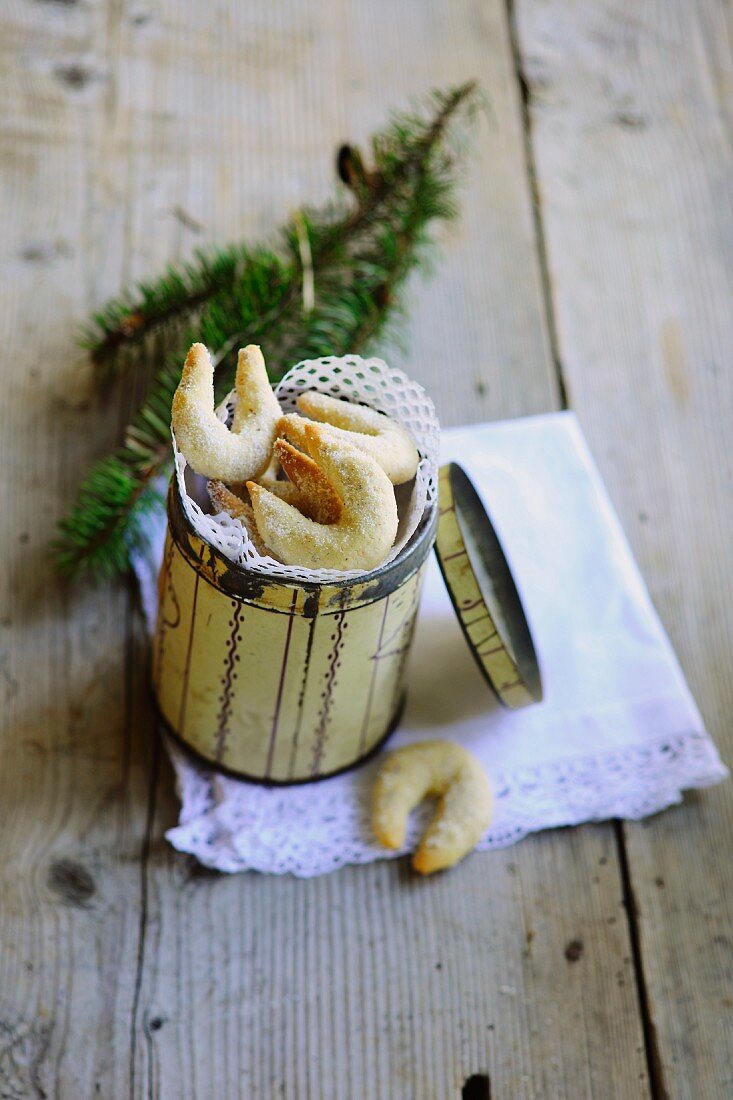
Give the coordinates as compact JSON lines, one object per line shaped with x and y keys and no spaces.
{"x":312,"y":830}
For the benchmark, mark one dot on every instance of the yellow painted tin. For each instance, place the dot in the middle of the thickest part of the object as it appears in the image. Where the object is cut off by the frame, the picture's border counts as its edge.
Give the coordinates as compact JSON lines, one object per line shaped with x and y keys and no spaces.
{"x":274,"y":679}
{"x":282,"y":681}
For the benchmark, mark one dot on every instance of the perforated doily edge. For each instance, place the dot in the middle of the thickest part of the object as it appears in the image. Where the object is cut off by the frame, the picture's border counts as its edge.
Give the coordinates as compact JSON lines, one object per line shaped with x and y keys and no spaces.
{"x":663,"y":769}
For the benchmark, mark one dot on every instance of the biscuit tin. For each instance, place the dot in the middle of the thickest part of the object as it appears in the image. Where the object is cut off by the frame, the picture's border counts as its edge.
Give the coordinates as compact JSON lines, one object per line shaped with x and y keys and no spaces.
{"x":274,"y":679}
{"x":279,"y":680}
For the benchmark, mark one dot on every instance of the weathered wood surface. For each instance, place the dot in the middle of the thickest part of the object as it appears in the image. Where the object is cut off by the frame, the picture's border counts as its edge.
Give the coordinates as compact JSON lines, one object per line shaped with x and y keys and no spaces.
{"x":130,"y":134}
{"x":631,"y":130}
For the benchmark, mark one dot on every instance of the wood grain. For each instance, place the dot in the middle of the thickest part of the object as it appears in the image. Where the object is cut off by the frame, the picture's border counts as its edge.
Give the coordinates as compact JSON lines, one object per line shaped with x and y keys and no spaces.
{"x":631,"y":113}
{"x":72,"y":775}
{"x":131,"y":135}
{"x":369,"y":980}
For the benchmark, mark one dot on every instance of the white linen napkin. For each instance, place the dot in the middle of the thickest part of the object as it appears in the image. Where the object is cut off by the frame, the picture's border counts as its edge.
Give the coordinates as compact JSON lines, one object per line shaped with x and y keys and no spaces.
{"x":617,"y":735}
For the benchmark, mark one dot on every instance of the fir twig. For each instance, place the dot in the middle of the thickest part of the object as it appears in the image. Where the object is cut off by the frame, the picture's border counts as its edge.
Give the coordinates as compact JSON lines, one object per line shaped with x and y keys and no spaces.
{"x":329,"y":287}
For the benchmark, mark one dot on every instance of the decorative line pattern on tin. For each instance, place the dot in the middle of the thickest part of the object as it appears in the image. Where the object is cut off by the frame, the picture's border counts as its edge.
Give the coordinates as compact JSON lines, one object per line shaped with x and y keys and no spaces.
{"x":227,"y":682}
{"x":472,"y":622}
{"x":375,"y":660}
{"x":327,"y":694}
{"x":301,"y":697}
{"x":407,"y":627}
{"x":187,"y":668}
{"x":457,"y":554}
{"x":278,"y":702}
{"x":398,"y":641}
{"x":166,"y":593}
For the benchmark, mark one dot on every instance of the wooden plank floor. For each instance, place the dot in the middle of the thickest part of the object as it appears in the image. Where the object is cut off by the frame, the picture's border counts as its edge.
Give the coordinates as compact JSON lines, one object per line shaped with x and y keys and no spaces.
{"x":594,"y":258}
{"x":637,"y":206}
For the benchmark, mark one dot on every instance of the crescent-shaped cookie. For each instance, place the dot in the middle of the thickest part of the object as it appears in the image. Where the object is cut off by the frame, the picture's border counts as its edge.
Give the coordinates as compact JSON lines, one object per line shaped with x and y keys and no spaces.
{"x":308,"y":489}
{"x":442,"y":769}
{"x":382,"y":438}
{"x":362,"y":535}
{"x":210,"y":448}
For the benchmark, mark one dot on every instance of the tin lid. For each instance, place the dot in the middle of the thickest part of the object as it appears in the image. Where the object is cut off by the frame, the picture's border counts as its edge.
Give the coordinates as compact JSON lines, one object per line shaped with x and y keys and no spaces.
{"x":483,"y":592}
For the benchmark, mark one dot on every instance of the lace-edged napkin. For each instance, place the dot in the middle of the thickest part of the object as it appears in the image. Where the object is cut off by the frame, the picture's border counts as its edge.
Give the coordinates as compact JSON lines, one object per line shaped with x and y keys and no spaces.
{"x":618,"y":734}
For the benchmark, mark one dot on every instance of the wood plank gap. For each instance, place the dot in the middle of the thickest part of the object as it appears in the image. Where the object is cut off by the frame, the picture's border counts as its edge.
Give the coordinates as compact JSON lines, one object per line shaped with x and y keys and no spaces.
{"x":143,"y":925}
{"x":539,"y":229}
{"x":651,"y":1045}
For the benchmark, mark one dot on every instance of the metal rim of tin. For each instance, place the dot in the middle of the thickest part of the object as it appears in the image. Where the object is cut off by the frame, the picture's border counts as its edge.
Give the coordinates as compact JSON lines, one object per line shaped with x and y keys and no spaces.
{"x":242,"y":583}
{"x":477,"y":576}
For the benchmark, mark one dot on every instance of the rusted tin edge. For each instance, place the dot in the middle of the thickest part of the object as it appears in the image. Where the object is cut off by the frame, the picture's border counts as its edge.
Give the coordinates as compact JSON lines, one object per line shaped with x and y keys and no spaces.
{"x":273,"y":591}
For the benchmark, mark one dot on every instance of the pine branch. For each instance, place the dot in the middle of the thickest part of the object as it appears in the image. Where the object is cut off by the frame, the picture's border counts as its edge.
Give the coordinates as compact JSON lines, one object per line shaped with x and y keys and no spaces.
{"x":129,"y":320}
{"x":358,"y":260}
{"x":398,"y":151}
